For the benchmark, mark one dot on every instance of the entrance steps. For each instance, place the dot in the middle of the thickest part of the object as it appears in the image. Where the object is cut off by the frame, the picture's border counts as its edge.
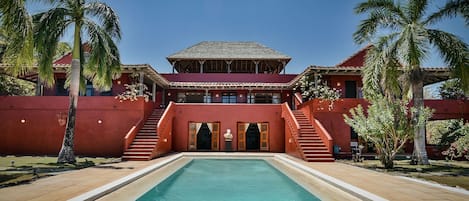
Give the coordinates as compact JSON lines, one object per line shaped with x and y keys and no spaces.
{"x":146,"y":139}
{"x":309,"y":142}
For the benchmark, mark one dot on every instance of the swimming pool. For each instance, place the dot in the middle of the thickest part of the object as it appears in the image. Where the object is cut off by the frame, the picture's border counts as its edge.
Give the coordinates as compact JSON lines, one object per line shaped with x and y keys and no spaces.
{"x":228,"y":180}
{"x":135,"y":185}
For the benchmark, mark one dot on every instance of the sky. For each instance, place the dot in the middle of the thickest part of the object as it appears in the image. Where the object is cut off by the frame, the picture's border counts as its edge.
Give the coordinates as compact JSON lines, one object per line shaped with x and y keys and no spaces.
{"x":311,"y":32}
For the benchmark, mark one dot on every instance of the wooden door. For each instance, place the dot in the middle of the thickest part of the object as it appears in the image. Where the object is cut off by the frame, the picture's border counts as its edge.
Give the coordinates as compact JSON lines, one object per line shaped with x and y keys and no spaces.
{"x":264,"y":129}
{"x":242,"y":136}
{"x":192,"y":136}
{"x":215,"y":135}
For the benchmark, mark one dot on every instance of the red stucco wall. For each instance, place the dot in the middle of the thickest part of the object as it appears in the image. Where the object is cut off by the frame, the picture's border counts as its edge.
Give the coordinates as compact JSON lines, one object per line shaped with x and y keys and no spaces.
{"x":41,"y":133}
{"x":333,"y":120}
{"x":228,"y":115}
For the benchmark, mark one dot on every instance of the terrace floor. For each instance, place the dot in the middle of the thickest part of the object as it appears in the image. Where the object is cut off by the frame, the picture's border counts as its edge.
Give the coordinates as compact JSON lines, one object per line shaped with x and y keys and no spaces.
{"x":70,"y":184}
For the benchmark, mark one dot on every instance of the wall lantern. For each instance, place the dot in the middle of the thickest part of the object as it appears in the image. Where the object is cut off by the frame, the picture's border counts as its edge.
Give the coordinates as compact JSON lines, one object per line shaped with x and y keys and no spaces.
{"x":100,"y":121}
{"x":165,"y":140}
{"x":338,"y":84}
{"x":216,"y":95}
{"x":62,"y":118}
{"x":240,"y":95}
{"x":118,"y":82}
{"x":169,"y":93}
{"x":23,"y":121}
{"x":288,"y":95}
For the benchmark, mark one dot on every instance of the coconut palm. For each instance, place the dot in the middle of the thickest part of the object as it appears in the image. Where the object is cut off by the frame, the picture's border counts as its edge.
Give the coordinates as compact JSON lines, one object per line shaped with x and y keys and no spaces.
{"x":403,"y":32}
{"x":97,"y":21}
{"x":94,"y":21}
{"x":17,"y":30}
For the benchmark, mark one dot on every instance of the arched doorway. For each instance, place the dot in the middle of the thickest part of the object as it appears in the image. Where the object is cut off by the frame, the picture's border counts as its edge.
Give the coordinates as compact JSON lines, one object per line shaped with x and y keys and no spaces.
{"x":253,"y":137}
{"x":204,"y":138}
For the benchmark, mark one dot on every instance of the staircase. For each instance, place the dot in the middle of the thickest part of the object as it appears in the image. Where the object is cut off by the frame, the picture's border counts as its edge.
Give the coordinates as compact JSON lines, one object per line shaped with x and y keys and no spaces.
{"x":313,"y":148}
{"x":145,"y":141}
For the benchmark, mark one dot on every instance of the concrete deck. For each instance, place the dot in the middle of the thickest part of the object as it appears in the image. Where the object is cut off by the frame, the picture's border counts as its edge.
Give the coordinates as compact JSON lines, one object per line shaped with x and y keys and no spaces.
{"x":71,"y":184}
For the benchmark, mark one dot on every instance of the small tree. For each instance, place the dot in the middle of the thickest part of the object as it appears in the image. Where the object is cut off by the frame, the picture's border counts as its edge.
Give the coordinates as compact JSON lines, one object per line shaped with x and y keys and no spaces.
{"x":313,"y":87}
{"x":388,"y":126}
{"x":452,"y":89}
{"x":455,"y":136}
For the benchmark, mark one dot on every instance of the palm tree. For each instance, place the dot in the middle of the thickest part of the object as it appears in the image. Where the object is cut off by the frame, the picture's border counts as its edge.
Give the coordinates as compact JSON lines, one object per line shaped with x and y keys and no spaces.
{"x":104,"y":60}
{"x":407,"y":39}
{"x":95,"y":21}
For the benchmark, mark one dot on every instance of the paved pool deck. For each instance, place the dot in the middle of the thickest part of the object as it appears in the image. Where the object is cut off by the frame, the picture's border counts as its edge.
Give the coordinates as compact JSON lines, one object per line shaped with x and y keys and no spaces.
{"x":71,"y":184}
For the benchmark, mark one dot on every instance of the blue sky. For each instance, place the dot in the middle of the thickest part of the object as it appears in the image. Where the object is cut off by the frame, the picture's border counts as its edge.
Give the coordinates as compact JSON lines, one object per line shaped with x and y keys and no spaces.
{"x":312,"y":32}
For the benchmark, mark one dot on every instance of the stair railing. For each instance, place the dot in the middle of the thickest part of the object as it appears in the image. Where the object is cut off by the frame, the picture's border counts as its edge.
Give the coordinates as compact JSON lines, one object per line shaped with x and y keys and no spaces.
{"x":324,"y":135}
{"x":293,"y":126}
{"x":164,"y":131}
{"x":130,"y":136}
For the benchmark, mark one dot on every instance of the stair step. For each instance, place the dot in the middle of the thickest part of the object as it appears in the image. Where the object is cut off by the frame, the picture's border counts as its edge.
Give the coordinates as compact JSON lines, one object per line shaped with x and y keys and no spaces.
{"x":312,"y":145}
{"x":318,"y":155}
{"x":136,"y":158}
{"x":135,"y":153}
{"x":146,"y":137}
{"x":142,"y":146}
{"x":139,"y":150}
{"x":144,"y":141}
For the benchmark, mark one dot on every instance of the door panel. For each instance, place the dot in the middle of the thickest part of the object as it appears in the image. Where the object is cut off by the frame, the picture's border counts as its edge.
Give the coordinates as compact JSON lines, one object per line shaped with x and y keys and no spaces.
{"x":264,"y":128}
{"x":192,"y":136}
{"x":215,"y":136}
{"x":241,"y":136}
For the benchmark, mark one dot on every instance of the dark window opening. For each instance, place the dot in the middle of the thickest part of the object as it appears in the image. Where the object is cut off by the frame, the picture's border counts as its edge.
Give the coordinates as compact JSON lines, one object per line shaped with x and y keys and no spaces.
{"x":350,"y":89}
{"x":60,"y":89}
{"x":204,"y":138}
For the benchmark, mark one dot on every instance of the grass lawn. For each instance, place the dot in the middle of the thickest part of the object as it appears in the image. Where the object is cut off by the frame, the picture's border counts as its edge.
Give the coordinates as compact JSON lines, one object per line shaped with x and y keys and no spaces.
{"x":450,"y":173}
{"x":22,"y":169}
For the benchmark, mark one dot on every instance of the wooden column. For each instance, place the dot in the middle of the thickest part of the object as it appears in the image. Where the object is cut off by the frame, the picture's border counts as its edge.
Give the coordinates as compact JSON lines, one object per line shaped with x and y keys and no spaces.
{"x":228,"y":63}
{"x":257,"y":66}
{"x":201,"y":62}
{"x":153,"y":96}
{"x":173,"y":64}
{"x":284,"y":63}
{"x":140,"y":91}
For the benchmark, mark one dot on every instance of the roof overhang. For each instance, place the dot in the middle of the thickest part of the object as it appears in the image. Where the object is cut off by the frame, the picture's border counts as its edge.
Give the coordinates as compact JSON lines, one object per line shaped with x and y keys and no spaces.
{"x":432,"y":74}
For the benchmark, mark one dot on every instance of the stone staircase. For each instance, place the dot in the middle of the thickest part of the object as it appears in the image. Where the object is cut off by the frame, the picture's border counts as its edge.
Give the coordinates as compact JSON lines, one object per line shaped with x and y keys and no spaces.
{"x":313,"y":148}
{"x":145,"y":141}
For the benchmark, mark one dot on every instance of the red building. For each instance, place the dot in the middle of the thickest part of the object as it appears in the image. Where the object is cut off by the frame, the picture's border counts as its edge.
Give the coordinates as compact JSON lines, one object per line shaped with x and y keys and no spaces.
{"x":214,"y":87}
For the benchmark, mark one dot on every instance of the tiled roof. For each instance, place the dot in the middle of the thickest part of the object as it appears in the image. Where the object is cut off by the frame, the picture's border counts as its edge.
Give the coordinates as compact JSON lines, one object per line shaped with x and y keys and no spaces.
{"x":356,"y":60}
{"x":228,"y":50}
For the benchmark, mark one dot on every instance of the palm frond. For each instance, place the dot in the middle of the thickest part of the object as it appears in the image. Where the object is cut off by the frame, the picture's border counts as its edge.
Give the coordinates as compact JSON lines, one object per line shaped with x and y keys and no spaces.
{"x":416,"y":9}
{"x":383,"y":14}
{"x":451,"y":9}
{"x":104,"y":62}
{"x":50,"y":26}
{"x":18,"y":28}
{"x":107,"y":17}
{"x":455,"y":52}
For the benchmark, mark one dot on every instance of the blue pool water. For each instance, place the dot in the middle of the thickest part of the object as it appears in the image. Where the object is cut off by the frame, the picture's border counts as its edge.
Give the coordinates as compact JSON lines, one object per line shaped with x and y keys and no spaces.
{"x":228,"y":180}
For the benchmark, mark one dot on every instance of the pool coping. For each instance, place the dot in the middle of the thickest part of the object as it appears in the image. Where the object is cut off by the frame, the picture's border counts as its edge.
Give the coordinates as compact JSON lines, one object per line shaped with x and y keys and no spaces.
{"x":117,"y":184}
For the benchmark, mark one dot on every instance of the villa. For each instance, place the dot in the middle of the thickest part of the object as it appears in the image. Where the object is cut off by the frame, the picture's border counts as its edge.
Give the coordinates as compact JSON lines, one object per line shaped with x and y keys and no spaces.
{"x":213,"y":87}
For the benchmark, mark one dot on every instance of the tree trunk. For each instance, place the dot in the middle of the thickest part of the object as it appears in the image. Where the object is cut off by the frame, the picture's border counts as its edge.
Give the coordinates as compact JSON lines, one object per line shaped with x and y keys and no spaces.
{"x":66,"y":154}
{"x":420,"y":153}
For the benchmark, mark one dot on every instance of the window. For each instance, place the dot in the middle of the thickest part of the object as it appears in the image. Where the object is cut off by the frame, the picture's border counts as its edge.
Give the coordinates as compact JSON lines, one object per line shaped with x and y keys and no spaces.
{"x":276,"y":98}
{"x":228,"y":97}
{"x":89,"y":89}
{"x":60,"y":89}
{"x":251,"y":98}
{"x":208,"y":98}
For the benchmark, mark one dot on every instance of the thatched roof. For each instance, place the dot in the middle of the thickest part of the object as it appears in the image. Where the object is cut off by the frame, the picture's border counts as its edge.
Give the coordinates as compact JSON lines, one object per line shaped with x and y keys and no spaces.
{"x":218,"y":50}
